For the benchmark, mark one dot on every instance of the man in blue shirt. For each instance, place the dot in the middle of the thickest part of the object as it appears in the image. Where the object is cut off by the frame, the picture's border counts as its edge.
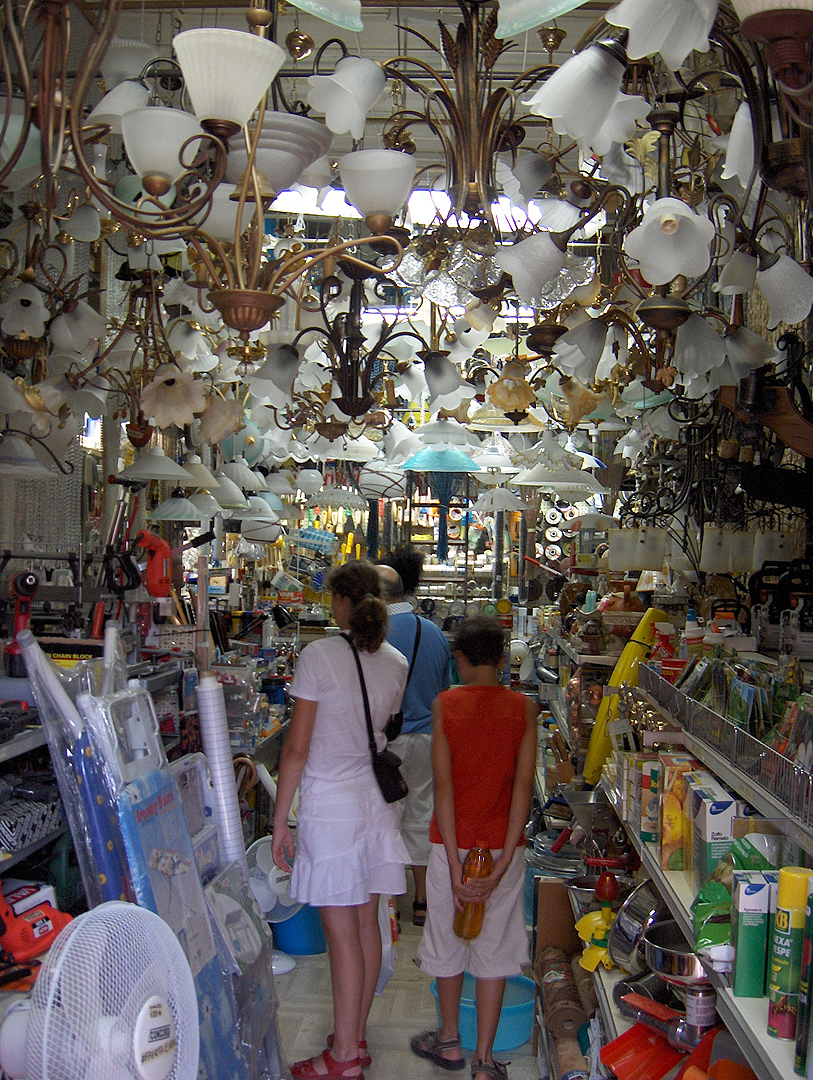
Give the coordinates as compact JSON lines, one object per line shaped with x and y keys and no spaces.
{"x":430,"y":673}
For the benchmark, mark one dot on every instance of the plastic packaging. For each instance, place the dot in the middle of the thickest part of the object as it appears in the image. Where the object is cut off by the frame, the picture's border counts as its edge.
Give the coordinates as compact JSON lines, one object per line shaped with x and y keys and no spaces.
{"x":478,"y":864}
{"x":214,"y":732}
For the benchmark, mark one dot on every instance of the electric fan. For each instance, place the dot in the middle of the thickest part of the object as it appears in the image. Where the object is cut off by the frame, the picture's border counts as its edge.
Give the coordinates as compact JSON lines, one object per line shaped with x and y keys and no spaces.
{"x":114,"y":1000}
{"x":270,"y":886}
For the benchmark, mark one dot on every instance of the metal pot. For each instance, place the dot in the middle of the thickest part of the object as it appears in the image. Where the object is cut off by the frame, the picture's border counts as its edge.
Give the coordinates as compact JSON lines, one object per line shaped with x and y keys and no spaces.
{"x":625,"y":942}
{"x":584,"y":888}
{"x":670,"y":955}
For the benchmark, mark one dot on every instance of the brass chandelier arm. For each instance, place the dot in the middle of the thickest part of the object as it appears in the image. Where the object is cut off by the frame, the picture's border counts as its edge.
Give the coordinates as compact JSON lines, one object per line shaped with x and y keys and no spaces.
{"x":11,"y":34}
{"x":194,"y":239}
{"x":304,"y":262}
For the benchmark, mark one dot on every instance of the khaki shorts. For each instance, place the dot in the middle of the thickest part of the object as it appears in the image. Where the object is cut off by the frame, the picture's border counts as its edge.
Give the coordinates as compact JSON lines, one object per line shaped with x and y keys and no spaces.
{"x":502,"y":946}
{"x":415,"y":752}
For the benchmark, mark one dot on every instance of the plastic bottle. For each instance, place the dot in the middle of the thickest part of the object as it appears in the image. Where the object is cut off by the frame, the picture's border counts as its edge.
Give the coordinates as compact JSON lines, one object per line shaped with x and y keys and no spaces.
{"x":692,"y":636}
{"x":664,"y":641}
{"x":478,"y":864}
{"x":713,"y":641}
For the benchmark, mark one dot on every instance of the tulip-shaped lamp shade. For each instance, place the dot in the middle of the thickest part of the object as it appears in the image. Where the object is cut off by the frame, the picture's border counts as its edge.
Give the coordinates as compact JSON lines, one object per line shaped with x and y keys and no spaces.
{"x":343,"y":13}
{"x":226,"y":73}
{"x":787,"y":288}
{"x":532,"y":263}
{"x":154,"y":139}
{"x":377,"y":183}
{"x":671,"y":239}
{"x":738,"y":276}
{"x":346,"y":96}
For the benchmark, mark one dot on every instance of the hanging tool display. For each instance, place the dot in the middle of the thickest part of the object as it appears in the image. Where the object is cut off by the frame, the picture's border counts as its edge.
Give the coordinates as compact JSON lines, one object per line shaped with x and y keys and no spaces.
{"x":23,"y":588}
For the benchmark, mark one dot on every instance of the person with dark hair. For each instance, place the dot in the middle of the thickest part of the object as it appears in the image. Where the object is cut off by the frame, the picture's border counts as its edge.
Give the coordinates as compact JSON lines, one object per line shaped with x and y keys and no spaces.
{"x":408,"y":564}
{"x":349,"y":850}
{"x":483,"y":759}
{"x":425,"y":647}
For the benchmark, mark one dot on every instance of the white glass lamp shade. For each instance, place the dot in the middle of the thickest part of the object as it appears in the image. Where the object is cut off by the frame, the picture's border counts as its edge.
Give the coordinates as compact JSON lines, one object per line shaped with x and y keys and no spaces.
{"x":201,"y":476}
{"x":155,"y":465}
{"x":17,"y":459}
{"x":153,"y":139}
{"x":715,"y":553}
{"x":309,"y":481}
{"x":84,"y":224}
{"x":746,"y":351}
{"x":222,"y":216}
{"x":517,"y":16}
{"x":343,"y":13}
{"x":239,"y":472}
{"x":770,"y":546}
{"x":741,"y":551}
{"x":346,"y":96}
{"x":226,"y":71}
{"x":280,"y":483}
{"x":531,"y":263}
{"x":128,"y":95}
{"x":739,"y":159}
{"x":76,"y":327}
{"x":377,"y":181}
{"x":206,"y":503}
{"x":672,"y":29}
{"x":125,"y":58}
{"x":177,"y":508}
{"x":447,"y":389}
{"x":788,"y":290}
{"x":229,"y":494}
{"x":578,"y":352}
{"x":671,"y":239}
{"x":259,"y":531}
{"x":698,"y":346}
{"x":739,"y":275}
{"x":746,"y":8}
{"x":379,"y":480}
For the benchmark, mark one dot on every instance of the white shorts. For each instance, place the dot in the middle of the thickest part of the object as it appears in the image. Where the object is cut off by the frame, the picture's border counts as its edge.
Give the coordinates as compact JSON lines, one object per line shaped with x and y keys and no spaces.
{"x":502,"y":946}
{"x":415,"y":752}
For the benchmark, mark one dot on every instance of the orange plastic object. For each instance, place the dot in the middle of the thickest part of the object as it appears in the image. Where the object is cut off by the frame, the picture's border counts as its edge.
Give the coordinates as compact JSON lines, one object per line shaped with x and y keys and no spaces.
{"x":640,"y":1054}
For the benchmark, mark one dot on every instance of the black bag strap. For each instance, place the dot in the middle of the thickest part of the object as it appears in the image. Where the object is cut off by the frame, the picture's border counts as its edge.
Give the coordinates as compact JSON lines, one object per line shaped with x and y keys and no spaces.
{"x":414,"y":650}
{"x":366,"y":700}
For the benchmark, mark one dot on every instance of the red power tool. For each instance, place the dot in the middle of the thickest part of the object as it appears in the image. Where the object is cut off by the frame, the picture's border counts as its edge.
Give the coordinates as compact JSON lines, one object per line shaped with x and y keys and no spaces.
{"x":27,"y":935}
{"x":158,"y":575}
{"x":23,"y":588}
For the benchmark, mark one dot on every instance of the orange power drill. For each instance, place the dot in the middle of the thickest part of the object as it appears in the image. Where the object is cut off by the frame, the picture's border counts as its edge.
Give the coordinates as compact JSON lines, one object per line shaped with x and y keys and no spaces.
{"x":158,"y":575}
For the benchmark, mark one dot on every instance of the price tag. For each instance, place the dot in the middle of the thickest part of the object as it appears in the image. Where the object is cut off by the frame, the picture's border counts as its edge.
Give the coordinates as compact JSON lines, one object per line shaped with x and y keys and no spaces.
{"x":644,"y":429}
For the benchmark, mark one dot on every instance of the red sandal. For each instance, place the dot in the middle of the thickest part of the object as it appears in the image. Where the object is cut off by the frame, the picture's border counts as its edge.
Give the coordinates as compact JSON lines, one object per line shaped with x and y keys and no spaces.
{"x":364,"y":1054}
{"x":324,"y":1065}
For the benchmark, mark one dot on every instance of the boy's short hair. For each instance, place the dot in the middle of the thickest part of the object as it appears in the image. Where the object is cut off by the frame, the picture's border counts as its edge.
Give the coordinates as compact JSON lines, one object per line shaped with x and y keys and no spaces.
{"x":481,"y":639}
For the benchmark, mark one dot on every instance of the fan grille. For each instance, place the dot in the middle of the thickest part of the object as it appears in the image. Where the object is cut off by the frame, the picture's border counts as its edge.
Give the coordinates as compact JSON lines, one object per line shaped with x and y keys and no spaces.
{"x":96,"y":979}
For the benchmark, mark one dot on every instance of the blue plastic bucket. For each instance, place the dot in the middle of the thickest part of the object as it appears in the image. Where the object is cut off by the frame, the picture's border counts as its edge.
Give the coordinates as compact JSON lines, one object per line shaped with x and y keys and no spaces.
{"x":516,"y":1018}
{"x":301,"y":935}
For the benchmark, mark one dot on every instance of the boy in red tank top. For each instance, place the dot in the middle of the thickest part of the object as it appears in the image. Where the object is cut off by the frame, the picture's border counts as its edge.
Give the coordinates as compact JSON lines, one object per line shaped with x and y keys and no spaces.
{"x":483,"y":760}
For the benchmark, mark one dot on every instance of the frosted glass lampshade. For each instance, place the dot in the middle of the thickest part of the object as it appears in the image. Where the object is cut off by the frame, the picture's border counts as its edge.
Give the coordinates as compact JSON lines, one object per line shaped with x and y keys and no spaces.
{"x":17,"y":459}
{"x":531,"y":263}
{"x":278,"y":167}
{"x":84,"y":224}
{"x":207,"y":504}
{"x":309,"y":481}
{"x":671,"y":239}
{"x":741,"y":551}
{"x":274,"y":502}
{"x":125,"y":58}
{"x":377,"y":181}
{"x":239,"y":472}
{"x":517,"y":16}
{"x":222,"y":217}
{"x":128,"y":95}
{"x":153,"y":139}
{"x":201,"y":476}
{"x":226,"y":73}
{"x":622,"y":548}
{"x":379,"y":480}
{"x":716,"y":550}
{"x":229,"y":494}
{"x":76,"y":327}
{"x":155,"y":465}
{"x":343,"y":13}
{"x":177,"y":508}
{"x":746,"y":8}
{"x":788,"y":290}
{"x":739,"y":275}
{"x":346,"y":96}
{"x":280,"y":483}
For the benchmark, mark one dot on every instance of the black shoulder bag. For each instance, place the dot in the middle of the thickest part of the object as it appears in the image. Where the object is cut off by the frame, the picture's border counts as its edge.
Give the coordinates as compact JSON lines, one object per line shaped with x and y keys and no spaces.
{"x":392,"y":728}
{"x":385,"y":762}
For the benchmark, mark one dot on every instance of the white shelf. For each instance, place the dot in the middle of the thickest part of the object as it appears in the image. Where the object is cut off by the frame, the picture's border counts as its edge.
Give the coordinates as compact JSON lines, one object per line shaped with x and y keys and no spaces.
{"x":578,"y":658}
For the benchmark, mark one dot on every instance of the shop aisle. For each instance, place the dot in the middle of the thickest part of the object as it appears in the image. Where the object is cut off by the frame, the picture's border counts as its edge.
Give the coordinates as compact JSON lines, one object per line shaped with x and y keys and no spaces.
{"x":405,"y":1007}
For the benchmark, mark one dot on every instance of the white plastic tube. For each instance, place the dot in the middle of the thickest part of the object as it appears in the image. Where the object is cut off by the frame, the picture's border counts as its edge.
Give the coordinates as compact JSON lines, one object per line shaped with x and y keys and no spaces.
{"x":214,"y":731}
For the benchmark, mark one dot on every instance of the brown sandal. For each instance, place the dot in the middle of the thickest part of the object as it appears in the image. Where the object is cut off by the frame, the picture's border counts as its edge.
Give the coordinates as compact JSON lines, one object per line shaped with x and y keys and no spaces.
{"x":430,"y":1045}
{"x":494,"y":1070}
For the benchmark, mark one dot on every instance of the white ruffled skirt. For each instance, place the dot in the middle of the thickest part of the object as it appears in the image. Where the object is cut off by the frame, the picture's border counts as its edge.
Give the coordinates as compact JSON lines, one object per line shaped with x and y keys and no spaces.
{"x":348,"y":846}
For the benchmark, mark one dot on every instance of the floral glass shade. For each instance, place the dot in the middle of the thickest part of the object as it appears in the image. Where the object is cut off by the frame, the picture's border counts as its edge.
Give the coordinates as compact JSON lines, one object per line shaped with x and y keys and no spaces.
{"x":531,"y":263}
{"x":788,"y":290}
{"x":343,"y":13}
{"x":226,"y":71}
{"x":346,"y":96}
{"x":377,"y":181}
{"x":153,"y":138}
{"x":84,"y":224}
{"x":739,"y":275}
{"x":671,"y":239}
{"x":672,"y":29}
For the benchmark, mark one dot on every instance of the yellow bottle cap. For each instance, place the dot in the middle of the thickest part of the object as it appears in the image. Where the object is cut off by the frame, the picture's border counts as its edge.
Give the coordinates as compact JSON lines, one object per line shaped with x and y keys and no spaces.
{"x":792,"y":892}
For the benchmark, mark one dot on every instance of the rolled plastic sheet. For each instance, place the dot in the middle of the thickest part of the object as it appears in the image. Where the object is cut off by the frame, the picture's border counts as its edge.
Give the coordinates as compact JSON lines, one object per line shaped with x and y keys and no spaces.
{"x":214,"y":732}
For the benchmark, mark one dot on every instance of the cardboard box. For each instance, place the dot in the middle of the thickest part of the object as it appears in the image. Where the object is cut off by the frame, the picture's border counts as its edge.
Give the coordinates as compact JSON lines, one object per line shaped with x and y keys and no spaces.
{"x":24,"y":895}
{"x":555,"y":924}
{"x":710,"y":810}
{"x":750,"y":910}
{"x":673,"y":770}
{"x":650,"y":830}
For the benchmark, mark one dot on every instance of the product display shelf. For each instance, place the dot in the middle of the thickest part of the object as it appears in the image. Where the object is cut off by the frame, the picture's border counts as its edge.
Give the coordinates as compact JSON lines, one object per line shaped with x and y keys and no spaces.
{"x":558,"y":713}
{"x":27,"y":740}
{"x":761,"y":798}
{"x":745,"y":1018}
{"x":579,"y":659}
{"x":11,"y":858}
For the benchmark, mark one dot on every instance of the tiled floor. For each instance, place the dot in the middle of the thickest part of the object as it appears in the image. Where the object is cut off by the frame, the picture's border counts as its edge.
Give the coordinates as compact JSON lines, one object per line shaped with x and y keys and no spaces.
{"x":405,"y":1007}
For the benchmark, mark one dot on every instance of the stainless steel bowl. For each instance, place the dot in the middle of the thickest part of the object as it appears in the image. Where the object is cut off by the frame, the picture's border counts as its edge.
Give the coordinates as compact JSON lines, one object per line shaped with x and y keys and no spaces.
{"x":584,"y":888}
{"x":625,"y":942}
{"x":670,"y":955}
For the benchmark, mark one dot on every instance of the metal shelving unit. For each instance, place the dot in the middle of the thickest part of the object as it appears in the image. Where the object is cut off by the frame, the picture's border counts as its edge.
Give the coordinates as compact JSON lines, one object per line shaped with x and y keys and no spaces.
{"x":27,"y":740}
{"x":11,"y":858}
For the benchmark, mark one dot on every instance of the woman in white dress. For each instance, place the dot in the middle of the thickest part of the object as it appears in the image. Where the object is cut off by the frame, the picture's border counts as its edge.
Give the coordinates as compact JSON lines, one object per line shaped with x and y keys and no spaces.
{"x":349,"y":849}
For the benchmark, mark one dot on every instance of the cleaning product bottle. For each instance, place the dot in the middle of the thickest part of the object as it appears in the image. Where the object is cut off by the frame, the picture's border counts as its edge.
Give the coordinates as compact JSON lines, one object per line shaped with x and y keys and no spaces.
{"x":713,"y":641}
{"x":692,"y":635}
{"x":664,"y":641}
{"x":786,"y":952}
{"x":478,"y":864}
